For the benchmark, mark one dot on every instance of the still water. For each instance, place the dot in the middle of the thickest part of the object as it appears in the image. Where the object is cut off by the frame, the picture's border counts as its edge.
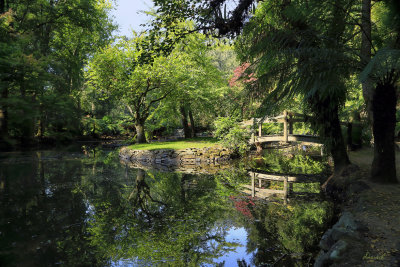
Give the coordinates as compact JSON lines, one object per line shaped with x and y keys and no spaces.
{"x":86,"y":208}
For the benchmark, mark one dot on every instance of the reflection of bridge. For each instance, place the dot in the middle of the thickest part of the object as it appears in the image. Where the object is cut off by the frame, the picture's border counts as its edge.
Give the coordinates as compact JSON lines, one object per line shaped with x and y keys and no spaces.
{"x":257,"y":190}
{"x":288,"y":118}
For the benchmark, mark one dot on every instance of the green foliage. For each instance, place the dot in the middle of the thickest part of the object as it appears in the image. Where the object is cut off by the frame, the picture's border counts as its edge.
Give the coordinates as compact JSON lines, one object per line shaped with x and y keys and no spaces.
{"x":272,"y":128}
{"x":198,"y":83}
{"x":302,"y":49}
{"x":302,"y":224}
{"x":45,"y":45}
{"x":139,"y":220}
{"x":296,"y":163}
{"x":118,"y":72}
{"x":295,"y":228}
{"x":231,"y":135}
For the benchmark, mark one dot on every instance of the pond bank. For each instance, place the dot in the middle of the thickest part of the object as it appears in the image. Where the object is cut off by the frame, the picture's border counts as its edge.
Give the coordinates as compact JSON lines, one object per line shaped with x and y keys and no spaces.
{"x":368,"y":230}
{"x":177,"y":157}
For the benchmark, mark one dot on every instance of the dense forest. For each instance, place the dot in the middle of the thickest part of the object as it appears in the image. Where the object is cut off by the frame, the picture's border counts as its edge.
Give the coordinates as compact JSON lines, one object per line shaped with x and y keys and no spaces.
{"x":65,"y":75}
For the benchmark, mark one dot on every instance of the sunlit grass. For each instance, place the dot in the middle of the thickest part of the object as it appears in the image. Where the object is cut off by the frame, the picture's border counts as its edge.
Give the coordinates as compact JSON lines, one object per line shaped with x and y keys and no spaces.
{"x":180,"y":144}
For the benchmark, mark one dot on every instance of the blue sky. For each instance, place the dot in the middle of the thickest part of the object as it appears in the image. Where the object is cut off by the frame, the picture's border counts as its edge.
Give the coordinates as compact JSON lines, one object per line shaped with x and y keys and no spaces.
{"x":127,"y":17}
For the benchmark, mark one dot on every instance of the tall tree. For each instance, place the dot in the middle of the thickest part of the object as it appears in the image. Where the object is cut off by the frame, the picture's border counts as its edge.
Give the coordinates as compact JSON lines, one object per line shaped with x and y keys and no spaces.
{"x":287,"y":41}
{"x":366,"y":46}
{"x":383,"y":71}
{"x":49,"y":43}
{"x":198,"y":81}
{"x":120,"y":70}
{"x":293,"y":51}
{"x":199,"y":84}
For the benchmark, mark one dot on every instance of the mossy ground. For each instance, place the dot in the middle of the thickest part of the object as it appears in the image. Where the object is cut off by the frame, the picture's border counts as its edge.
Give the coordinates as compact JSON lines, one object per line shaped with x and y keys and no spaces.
{"x":180,"y":144}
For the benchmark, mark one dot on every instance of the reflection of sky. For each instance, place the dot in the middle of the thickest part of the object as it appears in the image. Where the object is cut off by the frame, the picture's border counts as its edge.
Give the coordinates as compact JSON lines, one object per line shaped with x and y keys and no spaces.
{"x":233,"y":235}
{"x":236,"y":235}
{"x":226,"y":229}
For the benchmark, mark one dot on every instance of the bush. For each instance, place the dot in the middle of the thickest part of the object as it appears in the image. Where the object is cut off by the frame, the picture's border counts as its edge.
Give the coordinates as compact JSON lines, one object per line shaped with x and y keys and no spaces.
{"x":231,"y":135}
{"x":272,"y":128}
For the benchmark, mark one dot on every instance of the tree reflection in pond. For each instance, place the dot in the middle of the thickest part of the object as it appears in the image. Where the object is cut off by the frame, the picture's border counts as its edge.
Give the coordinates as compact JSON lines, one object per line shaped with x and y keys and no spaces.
{"x":42,"y":220}
{"x":162,"y":217}
{"x":76,"y":210}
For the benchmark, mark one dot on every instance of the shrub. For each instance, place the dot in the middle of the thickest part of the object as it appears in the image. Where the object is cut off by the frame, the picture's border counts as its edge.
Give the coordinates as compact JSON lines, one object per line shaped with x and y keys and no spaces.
{"x":231,"y":135}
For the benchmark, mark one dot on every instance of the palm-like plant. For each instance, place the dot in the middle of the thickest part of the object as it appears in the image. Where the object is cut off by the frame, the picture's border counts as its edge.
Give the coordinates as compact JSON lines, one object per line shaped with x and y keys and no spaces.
{"x":302,"y":48}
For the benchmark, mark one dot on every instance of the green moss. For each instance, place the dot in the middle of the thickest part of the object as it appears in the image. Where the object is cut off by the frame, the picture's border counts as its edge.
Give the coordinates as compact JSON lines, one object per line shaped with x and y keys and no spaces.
{"x":181,"y":144}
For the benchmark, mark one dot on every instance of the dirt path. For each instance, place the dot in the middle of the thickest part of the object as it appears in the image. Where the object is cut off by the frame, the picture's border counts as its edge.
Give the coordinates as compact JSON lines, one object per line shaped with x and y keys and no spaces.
{"x":377,"y":208}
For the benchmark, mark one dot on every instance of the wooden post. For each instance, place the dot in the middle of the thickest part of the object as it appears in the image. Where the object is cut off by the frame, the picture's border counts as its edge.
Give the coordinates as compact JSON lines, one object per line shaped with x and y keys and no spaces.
{"x":260,"y":128}
{"x":285,"y":189}
{"x":252,"y":186}
{"x":259,"y":183}
{"x":285,"y":127}
{"x":290,"y":125}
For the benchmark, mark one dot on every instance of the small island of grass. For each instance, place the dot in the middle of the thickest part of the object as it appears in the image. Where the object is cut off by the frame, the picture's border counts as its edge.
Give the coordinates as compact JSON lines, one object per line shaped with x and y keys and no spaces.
{"x":179,"y":144}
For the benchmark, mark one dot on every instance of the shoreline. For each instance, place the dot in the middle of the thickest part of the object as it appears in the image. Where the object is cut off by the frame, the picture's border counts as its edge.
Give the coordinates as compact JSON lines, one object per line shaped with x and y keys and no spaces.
{"x":367,"y":232}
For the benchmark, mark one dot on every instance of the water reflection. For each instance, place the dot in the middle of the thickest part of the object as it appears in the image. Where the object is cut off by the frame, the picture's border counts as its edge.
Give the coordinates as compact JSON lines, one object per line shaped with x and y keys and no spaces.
{"x":78,"y":210}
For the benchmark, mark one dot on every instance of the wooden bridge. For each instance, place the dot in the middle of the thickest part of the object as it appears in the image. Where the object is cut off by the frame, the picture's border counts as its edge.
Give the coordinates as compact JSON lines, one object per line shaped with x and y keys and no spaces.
{"x":257,"y":190}
{"x":287,"y":118}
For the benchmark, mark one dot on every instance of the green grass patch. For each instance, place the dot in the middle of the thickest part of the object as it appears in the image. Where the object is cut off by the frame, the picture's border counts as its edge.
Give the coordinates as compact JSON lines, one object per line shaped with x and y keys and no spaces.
{"x":180,"y":144}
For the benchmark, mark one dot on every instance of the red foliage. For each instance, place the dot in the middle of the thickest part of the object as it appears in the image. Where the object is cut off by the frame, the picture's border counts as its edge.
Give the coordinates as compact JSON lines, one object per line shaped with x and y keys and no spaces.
{"x":243,"y":204}
{"x":239,"y":75}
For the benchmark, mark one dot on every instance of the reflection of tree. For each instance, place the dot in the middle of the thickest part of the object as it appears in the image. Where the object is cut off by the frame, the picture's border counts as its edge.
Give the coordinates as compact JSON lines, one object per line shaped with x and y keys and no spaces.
{"x":42,"y":221}
{"x":163,"y":217}
{"x":141,"y":198}
{"x":62,"y":212}
{"x":286,"y":233}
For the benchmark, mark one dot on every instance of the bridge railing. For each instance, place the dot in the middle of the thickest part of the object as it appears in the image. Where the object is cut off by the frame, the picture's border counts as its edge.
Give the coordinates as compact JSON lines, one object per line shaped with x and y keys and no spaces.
{"x":288,"y":118}
{"x":288,"y":180}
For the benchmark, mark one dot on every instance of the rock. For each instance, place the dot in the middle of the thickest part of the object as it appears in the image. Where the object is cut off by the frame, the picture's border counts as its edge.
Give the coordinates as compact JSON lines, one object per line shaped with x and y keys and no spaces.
{"x":337,"y":251}
{"x":326,"y":241}
{"x":176,"y":157}
{"x":322,"y":259}
{"x":347,"y":221}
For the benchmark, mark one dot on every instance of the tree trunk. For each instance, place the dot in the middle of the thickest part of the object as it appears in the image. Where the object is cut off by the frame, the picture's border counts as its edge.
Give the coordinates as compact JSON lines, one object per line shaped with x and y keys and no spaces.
{"x":329,"y":128}
{"x":94,"y":120}
{"x":192,"y":127}
{"x":367,"y":86}
{"x":384,"y":123}
{"x":140,"y":135}
{"x":40,"y":130}
{"x":28,"y":126}
{"x":337,"y":146}
{"x":4,"y":115}
{"x":184,"y":121}
{"x":2,"y":6}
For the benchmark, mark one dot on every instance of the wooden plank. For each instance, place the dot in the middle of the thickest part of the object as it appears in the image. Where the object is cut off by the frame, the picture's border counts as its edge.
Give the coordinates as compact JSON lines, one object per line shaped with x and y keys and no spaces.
{"x":291,"y":138}
{"x":290,"y":179}
{"x":296,"y":120}
{"x":262,"y":191}
{"x":291,"y":113}
{"x":247,"y":123}
{"x":304,"y":138}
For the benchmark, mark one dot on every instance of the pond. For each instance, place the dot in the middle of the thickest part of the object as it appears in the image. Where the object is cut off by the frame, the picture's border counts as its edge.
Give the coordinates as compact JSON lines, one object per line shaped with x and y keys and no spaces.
{"x":87,"y":208}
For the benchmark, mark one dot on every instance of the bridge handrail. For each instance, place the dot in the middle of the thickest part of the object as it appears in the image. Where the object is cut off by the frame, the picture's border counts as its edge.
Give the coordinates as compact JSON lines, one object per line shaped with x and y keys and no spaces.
{"x":291,"y":178}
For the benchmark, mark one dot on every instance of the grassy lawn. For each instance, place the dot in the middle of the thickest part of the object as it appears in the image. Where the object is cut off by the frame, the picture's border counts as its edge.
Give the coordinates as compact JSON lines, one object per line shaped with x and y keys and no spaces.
{"x":180,"y":144}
